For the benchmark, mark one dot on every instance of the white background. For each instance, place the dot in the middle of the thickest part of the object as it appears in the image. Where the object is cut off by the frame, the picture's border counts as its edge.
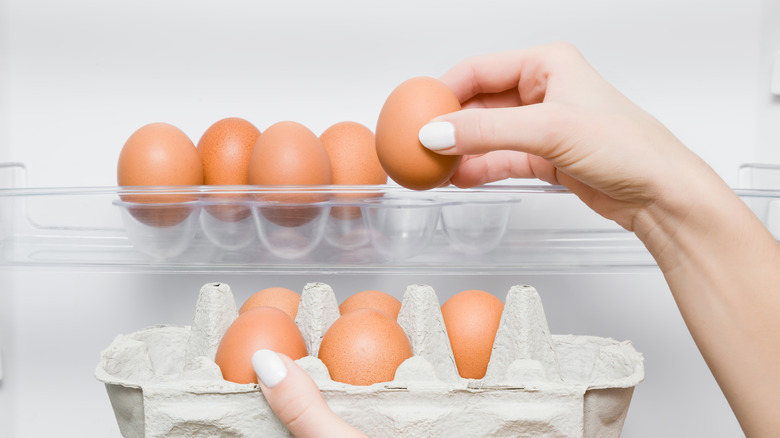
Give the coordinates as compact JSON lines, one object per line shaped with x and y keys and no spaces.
{"x":78,"y":77}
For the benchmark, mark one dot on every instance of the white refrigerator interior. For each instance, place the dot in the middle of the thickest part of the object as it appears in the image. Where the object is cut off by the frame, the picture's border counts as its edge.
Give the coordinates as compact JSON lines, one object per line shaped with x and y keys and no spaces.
{"x":78,"y":77}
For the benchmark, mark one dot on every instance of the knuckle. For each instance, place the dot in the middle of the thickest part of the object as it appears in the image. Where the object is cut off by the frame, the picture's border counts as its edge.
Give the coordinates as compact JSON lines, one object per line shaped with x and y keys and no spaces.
{"x":558,"y":129}
{"x":565,"y":47}
{"x":471,"y":65}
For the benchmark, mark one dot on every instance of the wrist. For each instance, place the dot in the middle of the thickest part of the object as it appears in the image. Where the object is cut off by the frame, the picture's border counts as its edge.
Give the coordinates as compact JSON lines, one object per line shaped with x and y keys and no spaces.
{"x":704,"y":229}
{"x":690,"y":218}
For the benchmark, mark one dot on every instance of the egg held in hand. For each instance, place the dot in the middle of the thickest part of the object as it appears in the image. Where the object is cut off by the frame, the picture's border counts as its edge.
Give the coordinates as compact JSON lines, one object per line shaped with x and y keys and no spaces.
{"x":471,"y":318}
{"x":159,"y":154}
{"x":408,"y":108}
{"x":364,"y":347}
{"x":256,"y":329}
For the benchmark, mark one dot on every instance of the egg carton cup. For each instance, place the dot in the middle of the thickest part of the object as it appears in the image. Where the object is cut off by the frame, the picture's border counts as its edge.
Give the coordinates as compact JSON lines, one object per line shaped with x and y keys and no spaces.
{"x":394,"y":225}
{"x":162,"y":381}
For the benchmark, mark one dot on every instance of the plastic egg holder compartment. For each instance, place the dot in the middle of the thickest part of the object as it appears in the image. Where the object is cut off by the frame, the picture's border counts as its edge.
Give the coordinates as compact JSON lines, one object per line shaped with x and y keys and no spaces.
{"x":162,"y":381}
{"x":396,"y":225}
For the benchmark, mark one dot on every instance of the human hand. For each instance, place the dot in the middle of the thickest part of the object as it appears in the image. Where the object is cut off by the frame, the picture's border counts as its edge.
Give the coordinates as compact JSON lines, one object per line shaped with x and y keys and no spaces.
{"x":296,"y":399}
{"x":545,"y":113}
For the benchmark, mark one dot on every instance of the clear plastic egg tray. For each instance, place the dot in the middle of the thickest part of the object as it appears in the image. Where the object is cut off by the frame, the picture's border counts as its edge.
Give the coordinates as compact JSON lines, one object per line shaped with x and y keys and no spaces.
{"x":345,"y":229}
{"x":162,"y":381}
{"x":390,"y":225}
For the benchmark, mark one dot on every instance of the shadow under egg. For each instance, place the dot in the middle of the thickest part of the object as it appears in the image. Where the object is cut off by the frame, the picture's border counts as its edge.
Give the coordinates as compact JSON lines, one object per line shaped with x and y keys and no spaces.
{"x":159,"y":210}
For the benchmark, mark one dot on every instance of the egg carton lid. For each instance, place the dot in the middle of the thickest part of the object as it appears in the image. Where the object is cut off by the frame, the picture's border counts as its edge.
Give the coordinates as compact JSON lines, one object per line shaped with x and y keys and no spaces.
{"x":163,"y":381}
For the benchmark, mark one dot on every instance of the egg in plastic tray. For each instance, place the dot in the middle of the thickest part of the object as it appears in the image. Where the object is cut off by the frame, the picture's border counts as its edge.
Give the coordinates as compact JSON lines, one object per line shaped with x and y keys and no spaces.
{"x":162,"y":381}
{"x":285,"y":223}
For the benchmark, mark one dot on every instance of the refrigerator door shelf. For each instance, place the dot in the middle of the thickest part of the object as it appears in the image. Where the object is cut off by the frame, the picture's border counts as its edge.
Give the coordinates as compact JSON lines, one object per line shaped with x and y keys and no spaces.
{"x":349,"y":229}
{"x":353,"y":229}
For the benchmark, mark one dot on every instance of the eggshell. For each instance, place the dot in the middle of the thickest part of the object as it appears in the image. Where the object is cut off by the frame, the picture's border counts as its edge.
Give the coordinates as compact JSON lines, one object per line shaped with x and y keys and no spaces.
{"x":288,"y":153}
{"x":364,"y":347}
{"x":280,"y":297}
{"x":258,"y":328}
{"x":351,"y":148}
{"x":159,"y":154}
{"x":372,"y":299}
{"x":224,"y":150}
{"x":472,"y":319}
{"x":410,"y":106}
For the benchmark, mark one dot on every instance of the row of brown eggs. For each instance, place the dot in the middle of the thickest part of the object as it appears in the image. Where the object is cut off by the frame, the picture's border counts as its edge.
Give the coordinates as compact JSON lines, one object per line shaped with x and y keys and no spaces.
{"x":234,"y":152}
{"x":365,"y":345}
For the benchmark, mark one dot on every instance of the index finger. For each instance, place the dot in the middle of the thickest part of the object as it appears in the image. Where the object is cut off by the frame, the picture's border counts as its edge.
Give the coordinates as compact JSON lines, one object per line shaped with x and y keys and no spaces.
{"x":526,"y":70}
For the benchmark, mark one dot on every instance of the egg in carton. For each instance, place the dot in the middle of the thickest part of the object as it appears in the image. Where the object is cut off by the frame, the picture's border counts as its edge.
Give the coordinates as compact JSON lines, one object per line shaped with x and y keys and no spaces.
{"x":162,"y":381}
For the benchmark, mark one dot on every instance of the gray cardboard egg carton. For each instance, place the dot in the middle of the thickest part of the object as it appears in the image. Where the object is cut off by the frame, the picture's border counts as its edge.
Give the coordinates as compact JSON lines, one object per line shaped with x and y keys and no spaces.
{"x":162,"y":381}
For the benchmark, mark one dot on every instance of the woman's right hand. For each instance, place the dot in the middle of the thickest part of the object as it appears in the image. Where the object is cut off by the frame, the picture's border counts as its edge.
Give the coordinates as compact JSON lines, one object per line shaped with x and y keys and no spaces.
{"x":545,"y":113}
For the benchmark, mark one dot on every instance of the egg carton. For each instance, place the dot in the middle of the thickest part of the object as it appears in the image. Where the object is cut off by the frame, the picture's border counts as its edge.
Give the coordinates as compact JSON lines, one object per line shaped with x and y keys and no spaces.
{"x":385,"y":226}
{"x":162,"y":381}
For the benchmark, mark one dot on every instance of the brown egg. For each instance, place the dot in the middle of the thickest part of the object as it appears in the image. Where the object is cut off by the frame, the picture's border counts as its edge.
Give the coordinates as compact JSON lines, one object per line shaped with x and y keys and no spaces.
{"x":256,"y":329}
{"x":410,"y":106}
{"x":372,"y":299}
{"x":472,"y":318}
{"x":364,"y":347}
{"x":352,"y":152}
{"x":288,"y":153}
{"x":282,"y":298}
{"x":351,"y":148}
{"x":159,"y":154}
{"x":224,"y":150}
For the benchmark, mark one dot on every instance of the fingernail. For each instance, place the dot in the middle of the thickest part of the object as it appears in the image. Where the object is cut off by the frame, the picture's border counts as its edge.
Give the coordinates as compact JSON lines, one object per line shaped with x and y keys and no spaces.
{"x":269,"y":367}
{"x":437,"y":136}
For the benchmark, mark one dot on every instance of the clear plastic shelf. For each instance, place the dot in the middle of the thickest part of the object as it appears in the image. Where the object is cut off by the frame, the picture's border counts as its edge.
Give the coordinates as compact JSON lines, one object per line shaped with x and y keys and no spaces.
{"x":324,"y":229}
{"x":348,"y":229}
{"x":759,"y":176}
{"x":760,"y":184}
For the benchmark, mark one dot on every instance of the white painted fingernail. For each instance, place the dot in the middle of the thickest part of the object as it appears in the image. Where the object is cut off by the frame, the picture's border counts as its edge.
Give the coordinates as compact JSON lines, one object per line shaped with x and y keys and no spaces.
{"x":269,"y":367}
{"x":437,"y":136}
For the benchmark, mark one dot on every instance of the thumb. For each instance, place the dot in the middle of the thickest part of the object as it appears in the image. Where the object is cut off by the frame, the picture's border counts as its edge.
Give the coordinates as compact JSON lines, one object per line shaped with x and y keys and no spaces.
{"x":296,"y":399}
{"x":538,"y":129}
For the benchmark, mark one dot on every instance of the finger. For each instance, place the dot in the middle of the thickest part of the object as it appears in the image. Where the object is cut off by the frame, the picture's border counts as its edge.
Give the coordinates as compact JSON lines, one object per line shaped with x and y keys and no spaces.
{"x":544,"y":130}
{"x":501,"y":165}
{"x":504,"y":99}
{"x":296,"y":399}
{"x":485,"y":74}
{"x":526,"y":70}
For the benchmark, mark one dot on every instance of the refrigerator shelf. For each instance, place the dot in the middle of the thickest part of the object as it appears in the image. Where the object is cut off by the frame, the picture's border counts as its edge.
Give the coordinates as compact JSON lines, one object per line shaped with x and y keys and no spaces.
{"x":343,"y":229}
